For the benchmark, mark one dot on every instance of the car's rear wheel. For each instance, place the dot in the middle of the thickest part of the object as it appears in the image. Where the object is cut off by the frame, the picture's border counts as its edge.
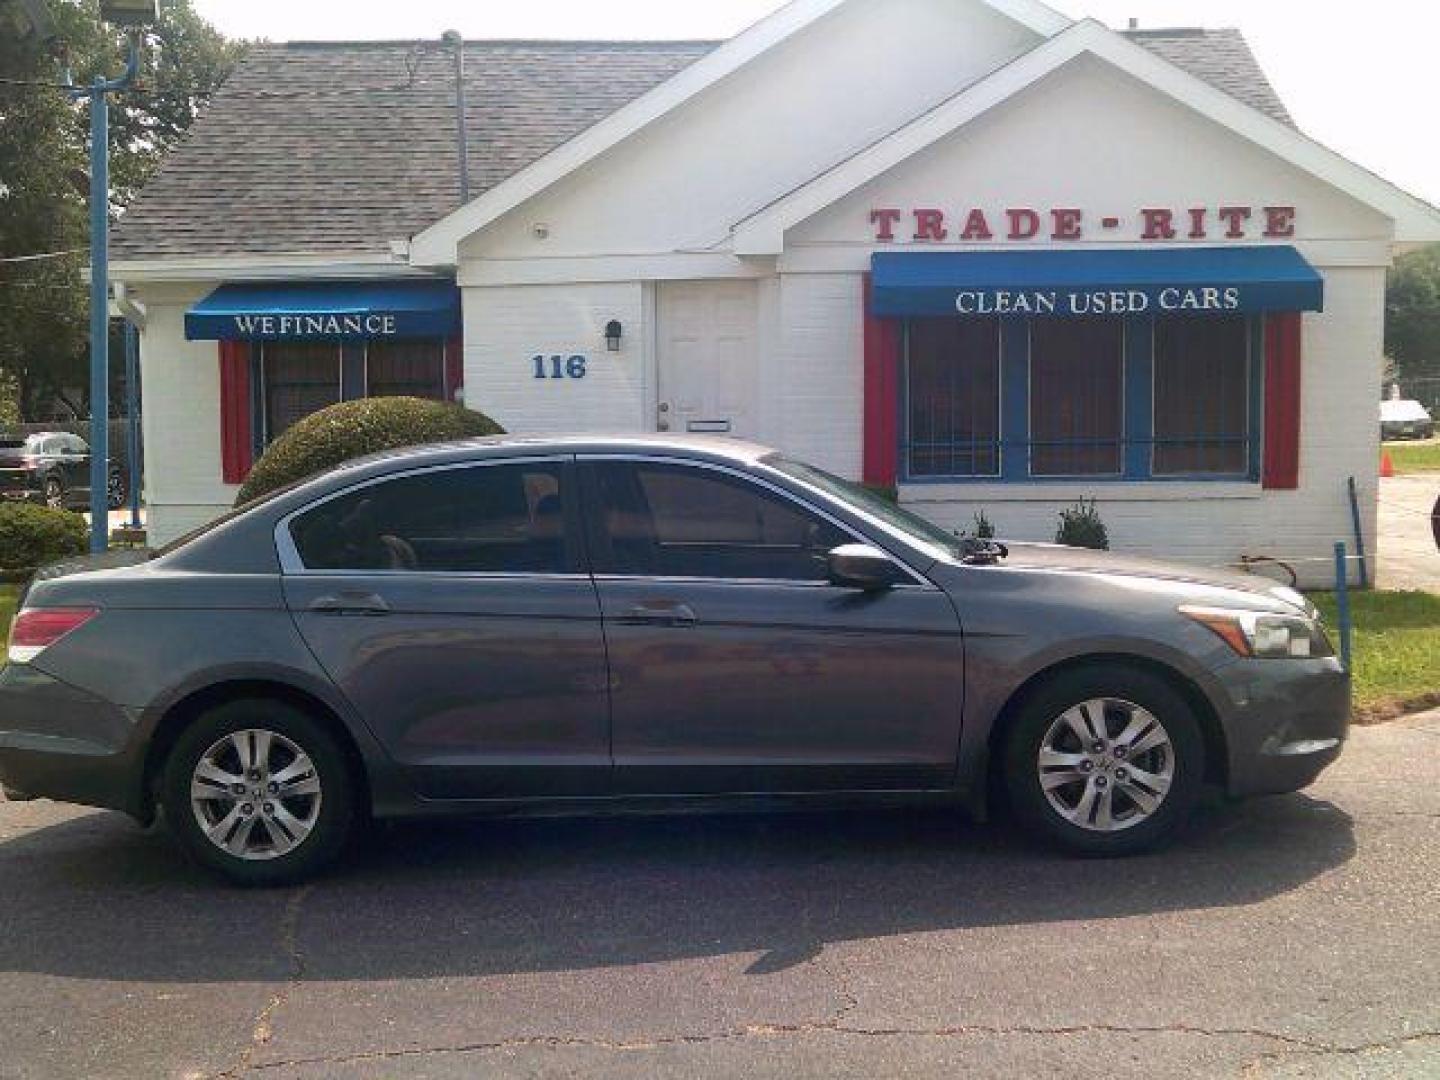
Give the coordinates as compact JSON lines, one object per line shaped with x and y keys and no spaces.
{"x":261,"y":792}
{"x":1104,"y":760}
{"x":54,"y":493}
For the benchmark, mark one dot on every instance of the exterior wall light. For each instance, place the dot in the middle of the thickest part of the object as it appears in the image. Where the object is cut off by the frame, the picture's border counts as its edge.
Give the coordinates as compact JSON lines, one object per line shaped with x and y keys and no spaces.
{"x":130,"y":12}
{"x":614,"y":332}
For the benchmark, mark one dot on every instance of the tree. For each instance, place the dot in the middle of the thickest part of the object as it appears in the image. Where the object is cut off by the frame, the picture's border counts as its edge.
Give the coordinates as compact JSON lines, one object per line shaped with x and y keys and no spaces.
{"x":1412,"y":322}
{"x":44,"y":186}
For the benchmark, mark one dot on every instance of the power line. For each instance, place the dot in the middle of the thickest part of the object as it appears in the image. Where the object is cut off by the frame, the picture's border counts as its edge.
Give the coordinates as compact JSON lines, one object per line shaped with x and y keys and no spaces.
{"x":43,"y":255}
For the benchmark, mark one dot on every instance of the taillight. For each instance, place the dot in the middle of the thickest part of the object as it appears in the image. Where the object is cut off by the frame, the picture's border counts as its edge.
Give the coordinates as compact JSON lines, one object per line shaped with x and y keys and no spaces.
{"x":36,"y":629}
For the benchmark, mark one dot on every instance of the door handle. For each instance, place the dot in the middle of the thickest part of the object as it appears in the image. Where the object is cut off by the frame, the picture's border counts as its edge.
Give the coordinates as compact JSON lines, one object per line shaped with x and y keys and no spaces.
{"x":350,"y":603}
{"x":659,"y":614}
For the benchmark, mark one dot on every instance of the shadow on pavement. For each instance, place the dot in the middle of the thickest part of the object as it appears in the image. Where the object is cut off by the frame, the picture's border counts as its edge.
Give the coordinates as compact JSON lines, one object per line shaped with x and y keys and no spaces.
{"x":93,"y":897}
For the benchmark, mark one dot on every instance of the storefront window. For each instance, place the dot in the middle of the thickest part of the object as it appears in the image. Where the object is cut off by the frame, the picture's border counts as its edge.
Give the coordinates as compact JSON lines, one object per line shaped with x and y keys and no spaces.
{"x":299,"y":378}
{"x":405,"y":369}
{"x":302,"y":377}
{"x":1077,"y":369}
{"x":954,"y":397}
{"x":1202,"y":395}
{"x":1081,"y":398}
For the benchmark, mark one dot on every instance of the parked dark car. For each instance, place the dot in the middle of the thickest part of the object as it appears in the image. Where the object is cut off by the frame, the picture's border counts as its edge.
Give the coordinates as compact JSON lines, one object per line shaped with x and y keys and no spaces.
{"x":580,"y":625}
{"x":53,"y":467}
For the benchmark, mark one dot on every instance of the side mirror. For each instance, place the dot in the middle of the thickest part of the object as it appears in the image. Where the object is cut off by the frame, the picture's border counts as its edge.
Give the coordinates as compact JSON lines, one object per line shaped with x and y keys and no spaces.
{"x":860,"y":566}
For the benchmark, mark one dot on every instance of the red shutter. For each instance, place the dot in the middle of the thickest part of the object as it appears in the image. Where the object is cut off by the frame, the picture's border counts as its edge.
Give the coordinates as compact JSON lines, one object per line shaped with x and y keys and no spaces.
{"x":1282,"y":401}
{"x":882,"y":396}
{"x":236,"y":442}
{"x":454,"y":367}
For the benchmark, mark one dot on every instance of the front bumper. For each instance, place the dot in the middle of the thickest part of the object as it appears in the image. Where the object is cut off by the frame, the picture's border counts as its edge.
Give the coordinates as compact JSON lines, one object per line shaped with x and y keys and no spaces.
{"x":58,"y":742}
{"x":1285,"y":722}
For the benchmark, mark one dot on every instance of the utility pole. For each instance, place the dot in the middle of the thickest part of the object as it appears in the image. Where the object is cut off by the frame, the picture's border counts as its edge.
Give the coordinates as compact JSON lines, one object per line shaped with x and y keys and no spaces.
{"x":130,"y":13}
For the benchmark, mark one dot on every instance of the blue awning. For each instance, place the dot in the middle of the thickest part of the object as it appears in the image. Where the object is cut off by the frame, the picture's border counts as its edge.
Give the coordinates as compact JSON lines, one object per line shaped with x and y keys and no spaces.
{"x":326,"y":310}
{"x":1197,"y":280}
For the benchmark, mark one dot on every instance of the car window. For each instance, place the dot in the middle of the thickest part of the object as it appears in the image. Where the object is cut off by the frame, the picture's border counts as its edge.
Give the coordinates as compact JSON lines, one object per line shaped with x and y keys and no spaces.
{"x":51,"y":445}
{"x":76,"y":445}
{"x":659,"y":520}
{"x":479,"y":519}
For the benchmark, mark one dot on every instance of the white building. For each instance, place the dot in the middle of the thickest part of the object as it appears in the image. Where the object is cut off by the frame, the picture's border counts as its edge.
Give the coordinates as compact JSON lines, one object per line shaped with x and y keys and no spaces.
{"x":969,"y":248}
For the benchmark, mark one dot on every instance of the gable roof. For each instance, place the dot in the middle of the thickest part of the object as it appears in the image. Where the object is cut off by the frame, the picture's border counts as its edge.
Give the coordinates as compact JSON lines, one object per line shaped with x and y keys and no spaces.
{"x":1221,"y":58}
{"x":437,"y":245}
{"x":334,"y":147}
{"x":762,"y":233}
{"x":339,"y":148}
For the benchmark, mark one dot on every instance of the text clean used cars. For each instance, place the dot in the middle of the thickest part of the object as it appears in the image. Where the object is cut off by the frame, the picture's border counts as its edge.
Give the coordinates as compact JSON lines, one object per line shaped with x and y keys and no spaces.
{"x":583,"y":624}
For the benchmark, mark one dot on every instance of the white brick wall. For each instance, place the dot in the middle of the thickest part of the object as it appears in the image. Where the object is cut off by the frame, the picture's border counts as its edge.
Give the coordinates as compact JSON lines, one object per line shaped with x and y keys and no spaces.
{"x":180,"y":387}
{"x":506,"y":327}
{"x":813,"y":375}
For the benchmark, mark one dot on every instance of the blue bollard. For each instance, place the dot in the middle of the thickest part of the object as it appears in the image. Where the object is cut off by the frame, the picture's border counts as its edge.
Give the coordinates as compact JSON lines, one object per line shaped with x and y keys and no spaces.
{"x":1342,"y":602}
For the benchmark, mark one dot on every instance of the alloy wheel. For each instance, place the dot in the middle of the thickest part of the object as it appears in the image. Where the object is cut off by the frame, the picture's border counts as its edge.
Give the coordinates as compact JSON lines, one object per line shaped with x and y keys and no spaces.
{"x":255,"y":794}
{"x":1106,"y":765}
{"x":54,"y":494}
{"x":115,"y":491}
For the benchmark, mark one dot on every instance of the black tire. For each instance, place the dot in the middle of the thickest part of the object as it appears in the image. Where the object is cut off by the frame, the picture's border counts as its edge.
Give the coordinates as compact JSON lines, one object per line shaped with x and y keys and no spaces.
{"x":335,"y":822}
{"x":1044,"y":707}
{"x":54,"y":493}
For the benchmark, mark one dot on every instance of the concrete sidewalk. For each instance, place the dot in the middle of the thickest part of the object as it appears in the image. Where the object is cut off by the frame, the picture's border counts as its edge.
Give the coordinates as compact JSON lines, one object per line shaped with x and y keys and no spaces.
{"x":1408,"y":558}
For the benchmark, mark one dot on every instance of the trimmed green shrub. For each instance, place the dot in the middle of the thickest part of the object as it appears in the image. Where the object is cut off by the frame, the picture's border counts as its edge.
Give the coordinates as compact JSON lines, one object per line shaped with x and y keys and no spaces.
{"x":33,"y":535}
{"x":353,"y":429}
{"x":1080,"y":526}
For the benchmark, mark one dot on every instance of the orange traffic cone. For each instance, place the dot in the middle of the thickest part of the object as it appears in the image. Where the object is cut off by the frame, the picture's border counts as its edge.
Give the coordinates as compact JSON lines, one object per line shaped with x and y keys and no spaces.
{"x":1387,"y":467}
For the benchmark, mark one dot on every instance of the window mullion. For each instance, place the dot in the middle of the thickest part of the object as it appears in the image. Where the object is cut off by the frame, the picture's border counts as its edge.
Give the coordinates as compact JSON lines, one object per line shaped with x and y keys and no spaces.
{"x":1015,"y":399}
{"x":1139,"y":375}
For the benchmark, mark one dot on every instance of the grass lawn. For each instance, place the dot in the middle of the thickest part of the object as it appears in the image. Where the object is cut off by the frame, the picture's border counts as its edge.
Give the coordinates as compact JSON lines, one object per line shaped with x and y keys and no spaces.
{"x":1397,"y":651}
{"x":9,"y":594}
{"x":1412,"y":457}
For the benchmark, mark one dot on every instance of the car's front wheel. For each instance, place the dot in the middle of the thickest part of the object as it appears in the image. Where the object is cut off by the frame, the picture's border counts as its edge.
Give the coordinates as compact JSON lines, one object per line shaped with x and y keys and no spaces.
{"x":1104,"y":760}
{"x":54,"y":493}
{"x":261,"y":792}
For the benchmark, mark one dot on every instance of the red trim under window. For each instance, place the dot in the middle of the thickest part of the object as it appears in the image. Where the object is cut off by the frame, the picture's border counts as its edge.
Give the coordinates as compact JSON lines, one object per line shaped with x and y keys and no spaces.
{"x":882,"y":397}
{"x":236,"y":437}
{"x":1282,"y":401}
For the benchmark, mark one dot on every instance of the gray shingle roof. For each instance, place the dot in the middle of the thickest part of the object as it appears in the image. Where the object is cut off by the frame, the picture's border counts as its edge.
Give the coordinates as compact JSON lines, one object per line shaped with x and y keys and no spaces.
{"x":1221,"y":58}
{"x":333,"y":148}
{"x":343,"y":147}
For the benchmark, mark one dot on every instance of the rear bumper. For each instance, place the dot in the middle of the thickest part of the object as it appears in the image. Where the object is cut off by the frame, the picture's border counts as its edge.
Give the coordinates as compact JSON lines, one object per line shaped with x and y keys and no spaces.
{"x":61,"y":743}
{"x":1287,"y":723}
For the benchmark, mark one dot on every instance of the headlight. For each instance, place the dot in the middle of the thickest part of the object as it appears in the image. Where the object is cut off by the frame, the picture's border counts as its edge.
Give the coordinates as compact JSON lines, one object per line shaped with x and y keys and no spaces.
{"x":1262,"y":634}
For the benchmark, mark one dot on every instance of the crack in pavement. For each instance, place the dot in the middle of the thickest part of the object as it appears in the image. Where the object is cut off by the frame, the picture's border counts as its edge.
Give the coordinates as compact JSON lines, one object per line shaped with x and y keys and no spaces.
{"x":1251,"y":1068}
{"x":263,"y":1031}
{"x":1292,"y":1044}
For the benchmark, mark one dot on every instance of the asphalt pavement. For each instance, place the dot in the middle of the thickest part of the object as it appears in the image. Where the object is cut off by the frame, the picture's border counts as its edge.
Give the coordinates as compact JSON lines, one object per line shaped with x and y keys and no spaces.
{"x":1296,"y":936}
{"x":1408,"y":557}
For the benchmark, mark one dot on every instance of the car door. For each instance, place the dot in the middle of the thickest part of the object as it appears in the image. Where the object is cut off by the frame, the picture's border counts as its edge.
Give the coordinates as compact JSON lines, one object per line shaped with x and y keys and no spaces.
{"x":451,"y":607}
{"x":736,"y":666}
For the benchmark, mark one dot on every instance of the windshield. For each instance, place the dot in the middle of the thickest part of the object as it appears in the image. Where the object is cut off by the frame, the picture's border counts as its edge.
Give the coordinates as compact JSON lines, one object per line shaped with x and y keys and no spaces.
{"x":868,"y":502}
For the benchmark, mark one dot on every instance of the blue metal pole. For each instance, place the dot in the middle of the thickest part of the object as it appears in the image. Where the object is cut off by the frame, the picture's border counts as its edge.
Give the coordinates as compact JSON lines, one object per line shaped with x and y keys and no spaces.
{"x":1342,"y":602}
{"x":99,"y":315}
{"x":132,"y":415}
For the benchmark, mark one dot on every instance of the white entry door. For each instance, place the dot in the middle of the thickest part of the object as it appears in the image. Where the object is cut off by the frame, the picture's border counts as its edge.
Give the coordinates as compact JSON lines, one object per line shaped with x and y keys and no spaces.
{"x":708,"y":362}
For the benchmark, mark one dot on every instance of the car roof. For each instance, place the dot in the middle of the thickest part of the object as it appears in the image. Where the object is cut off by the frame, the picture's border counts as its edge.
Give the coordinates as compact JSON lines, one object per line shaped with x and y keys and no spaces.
{"x":707,"y":446}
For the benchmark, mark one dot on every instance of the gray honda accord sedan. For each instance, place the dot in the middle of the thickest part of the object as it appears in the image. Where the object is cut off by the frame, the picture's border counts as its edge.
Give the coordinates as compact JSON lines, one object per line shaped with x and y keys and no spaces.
{"x":589,"y":624}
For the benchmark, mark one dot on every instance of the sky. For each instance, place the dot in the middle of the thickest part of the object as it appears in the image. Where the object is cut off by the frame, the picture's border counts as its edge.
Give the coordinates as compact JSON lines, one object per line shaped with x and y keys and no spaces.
{"x":1357,"y":77}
